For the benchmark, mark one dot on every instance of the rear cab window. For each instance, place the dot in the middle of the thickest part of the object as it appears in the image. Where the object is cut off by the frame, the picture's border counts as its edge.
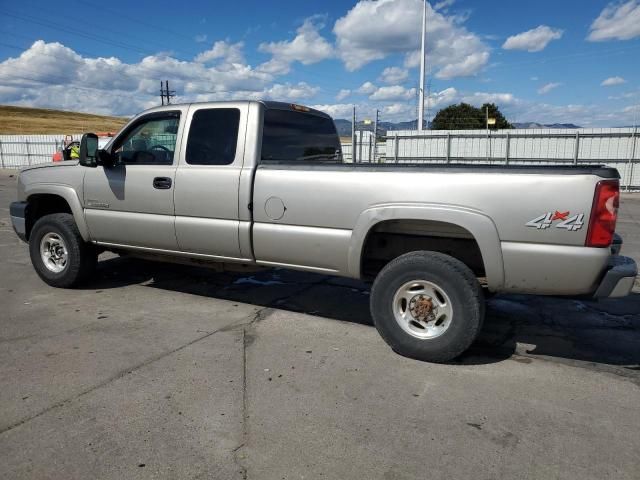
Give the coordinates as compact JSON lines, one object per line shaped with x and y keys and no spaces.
{"x":291,"y":136}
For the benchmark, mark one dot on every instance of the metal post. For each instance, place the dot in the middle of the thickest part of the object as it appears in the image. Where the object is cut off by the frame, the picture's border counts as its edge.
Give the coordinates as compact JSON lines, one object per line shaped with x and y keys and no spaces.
{"x":486,"y":149}
{"x":577,"y":149}
{"x":1,"y":156}
{"x":422,"y":67}
{"x":353,"y":136}
{"x":506,"y":149}
{"x":448,"y":147}
{"x":375,"y":136}
{"x":26,"y":141}
{"x":395,"y":149}
{"x":360,"y":146}
{"x":633,"y":154}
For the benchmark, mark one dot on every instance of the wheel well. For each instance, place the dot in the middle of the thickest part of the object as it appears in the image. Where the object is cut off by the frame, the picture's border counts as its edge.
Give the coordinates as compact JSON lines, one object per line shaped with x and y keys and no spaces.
{"x":390,"y":239}
{"x":41,"y":204}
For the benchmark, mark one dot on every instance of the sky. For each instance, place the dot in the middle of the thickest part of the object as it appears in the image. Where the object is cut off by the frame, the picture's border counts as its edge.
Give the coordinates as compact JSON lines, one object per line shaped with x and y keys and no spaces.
{"x":546,"y":61}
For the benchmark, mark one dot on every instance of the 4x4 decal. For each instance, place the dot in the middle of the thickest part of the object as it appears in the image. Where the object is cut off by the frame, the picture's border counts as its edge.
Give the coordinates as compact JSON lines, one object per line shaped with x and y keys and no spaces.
{"x":544,"y":221}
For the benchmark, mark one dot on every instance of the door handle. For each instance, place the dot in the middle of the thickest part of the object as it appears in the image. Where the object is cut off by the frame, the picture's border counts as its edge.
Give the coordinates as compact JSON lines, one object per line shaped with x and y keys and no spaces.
{"x":162,"y":183}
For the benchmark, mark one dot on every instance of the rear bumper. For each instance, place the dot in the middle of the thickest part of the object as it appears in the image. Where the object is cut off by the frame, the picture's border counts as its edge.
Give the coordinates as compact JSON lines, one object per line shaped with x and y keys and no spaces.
{"x":17,"y":211}
{"x":619,"y":278}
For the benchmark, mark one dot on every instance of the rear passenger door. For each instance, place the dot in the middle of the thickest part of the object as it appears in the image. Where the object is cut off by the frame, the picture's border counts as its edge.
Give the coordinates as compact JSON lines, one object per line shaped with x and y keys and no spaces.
{"x":207,"y":181}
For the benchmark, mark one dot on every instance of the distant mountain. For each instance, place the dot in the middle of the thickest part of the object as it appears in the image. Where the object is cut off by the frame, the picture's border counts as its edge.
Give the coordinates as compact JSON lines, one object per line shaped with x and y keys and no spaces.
{"x":344,"y":126}
{"x":544,"y":125}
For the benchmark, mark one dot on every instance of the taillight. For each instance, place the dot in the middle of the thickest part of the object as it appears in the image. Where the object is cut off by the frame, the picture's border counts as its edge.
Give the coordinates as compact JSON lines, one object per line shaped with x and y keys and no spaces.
{"x":604,"y":213}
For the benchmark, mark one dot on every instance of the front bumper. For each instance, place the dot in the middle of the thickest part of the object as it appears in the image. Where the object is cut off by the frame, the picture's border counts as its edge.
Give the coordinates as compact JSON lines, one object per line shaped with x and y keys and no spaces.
{"x":619,"y":278}
{"x":17,"y":211}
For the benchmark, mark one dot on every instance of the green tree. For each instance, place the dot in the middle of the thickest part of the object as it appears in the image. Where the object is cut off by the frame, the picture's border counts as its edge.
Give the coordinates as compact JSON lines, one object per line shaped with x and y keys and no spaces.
{"x":463,"y":116}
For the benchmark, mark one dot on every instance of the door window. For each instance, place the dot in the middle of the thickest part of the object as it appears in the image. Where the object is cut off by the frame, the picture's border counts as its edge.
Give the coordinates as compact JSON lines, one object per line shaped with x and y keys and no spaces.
{"x":149,"y":142}
{"x":213,"y":136}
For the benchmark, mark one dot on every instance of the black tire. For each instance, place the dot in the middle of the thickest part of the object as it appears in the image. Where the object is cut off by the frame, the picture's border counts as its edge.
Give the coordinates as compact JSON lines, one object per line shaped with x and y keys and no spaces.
{"x":81,"y":256}
{"x":455,"y":279}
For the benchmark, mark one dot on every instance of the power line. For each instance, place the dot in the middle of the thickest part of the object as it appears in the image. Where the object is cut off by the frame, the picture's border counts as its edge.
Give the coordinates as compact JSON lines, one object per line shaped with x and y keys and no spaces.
{"x":120,"y":14}
{"x":80,"y":33}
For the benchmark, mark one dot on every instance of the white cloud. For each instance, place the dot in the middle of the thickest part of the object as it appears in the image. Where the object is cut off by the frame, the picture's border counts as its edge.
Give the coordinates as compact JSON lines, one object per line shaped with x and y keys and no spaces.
{"x":398,"y":111}
{"x":618,"y":21}
{"x":338,"y":110}
{"x":301,"y":90}
{"x":479,"y":98}
{"x":373,"y":30}
{"x":367,"y":88}
{"x":222,"y":49}
{"x":307,"y":47}
{"x":624,"y":96}
{"x":54,"y":76}
{"x":394,"y":75}
{"x":533,"y":40}
{"x":611,"y":81}
{"x":392,"y":93}
{"x":443,"y":5}
{"x":548,"y":87}
{"x":342,"y":94}
{"x":470,"y":65}
{"x":200,"y":38}
{"x":450,"y":95}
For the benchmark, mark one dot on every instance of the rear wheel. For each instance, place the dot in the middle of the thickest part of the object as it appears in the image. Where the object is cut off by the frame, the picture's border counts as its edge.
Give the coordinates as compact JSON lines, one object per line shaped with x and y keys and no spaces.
{"x":58,"y":253}
{"x":428,"y":306}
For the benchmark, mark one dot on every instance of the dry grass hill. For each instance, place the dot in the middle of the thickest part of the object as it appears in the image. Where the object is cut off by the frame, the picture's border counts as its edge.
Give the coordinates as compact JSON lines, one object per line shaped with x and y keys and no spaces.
{"x":22,"y":120}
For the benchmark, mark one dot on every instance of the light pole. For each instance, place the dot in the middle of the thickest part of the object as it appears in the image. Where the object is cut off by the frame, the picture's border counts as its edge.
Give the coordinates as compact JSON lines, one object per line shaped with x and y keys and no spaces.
{"x":422,"y":67}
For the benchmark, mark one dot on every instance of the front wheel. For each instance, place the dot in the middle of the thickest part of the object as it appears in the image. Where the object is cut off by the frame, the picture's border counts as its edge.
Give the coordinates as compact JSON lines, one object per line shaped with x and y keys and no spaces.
{"x":58,"y":253}
{"x":428,"y":306}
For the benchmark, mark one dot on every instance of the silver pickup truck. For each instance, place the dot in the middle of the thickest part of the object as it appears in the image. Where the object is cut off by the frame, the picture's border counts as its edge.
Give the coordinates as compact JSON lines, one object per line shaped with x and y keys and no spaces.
{"x":264,"y":184}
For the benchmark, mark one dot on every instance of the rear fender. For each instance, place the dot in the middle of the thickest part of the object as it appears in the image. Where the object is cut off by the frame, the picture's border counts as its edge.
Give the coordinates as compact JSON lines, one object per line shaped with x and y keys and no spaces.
{"x":477,"y":223}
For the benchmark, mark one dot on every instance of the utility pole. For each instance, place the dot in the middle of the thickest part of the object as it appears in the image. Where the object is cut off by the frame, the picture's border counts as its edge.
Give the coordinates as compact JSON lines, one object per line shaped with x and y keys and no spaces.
{"x":422,"y":67}
{"x":375,"y":135}
{"x":166,"y":93}
{"x":486,"y":111}
{"x":353,"y":136}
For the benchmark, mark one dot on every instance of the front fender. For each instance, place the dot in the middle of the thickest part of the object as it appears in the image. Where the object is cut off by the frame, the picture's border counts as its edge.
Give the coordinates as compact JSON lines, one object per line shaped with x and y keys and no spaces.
{"x":477,"y":223}
{"x":70,"y":196}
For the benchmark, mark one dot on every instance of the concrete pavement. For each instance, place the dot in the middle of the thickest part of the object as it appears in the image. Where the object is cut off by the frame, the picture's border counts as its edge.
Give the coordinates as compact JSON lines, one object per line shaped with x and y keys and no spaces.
{"x":161,"y":371}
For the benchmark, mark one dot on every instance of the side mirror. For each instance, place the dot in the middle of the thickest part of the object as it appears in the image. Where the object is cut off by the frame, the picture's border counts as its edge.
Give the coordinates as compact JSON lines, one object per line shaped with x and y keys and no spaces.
{"x":89,"y":150}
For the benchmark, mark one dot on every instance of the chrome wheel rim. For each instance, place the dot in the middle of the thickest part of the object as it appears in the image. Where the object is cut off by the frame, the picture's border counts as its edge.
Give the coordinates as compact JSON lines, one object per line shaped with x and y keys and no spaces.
{"x":53,"y":252}
{"x":422,"y":309}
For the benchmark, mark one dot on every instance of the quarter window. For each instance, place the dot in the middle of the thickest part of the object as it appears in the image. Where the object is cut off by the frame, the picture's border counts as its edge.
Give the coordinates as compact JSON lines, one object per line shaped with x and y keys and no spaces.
{"x":213,"y":136}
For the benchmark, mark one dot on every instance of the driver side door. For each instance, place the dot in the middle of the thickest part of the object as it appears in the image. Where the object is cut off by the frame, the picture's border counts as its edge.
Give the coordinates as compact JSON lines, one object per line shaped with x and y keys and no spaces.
{"x":131,"y":203}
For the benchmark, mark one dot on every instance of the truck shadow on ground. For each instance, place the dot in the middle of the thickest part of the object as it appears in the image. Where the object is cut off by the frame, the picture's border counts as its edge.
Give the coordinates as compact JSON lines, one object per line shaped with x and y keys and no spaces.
{"x":519,"y":327}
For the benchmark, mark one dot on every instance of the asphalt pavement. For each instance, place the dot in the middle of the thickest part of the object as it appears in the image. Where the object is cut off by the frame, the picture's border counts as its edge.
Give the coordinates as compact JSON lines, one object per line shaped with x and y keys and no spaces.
{"x":166,"y":371}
